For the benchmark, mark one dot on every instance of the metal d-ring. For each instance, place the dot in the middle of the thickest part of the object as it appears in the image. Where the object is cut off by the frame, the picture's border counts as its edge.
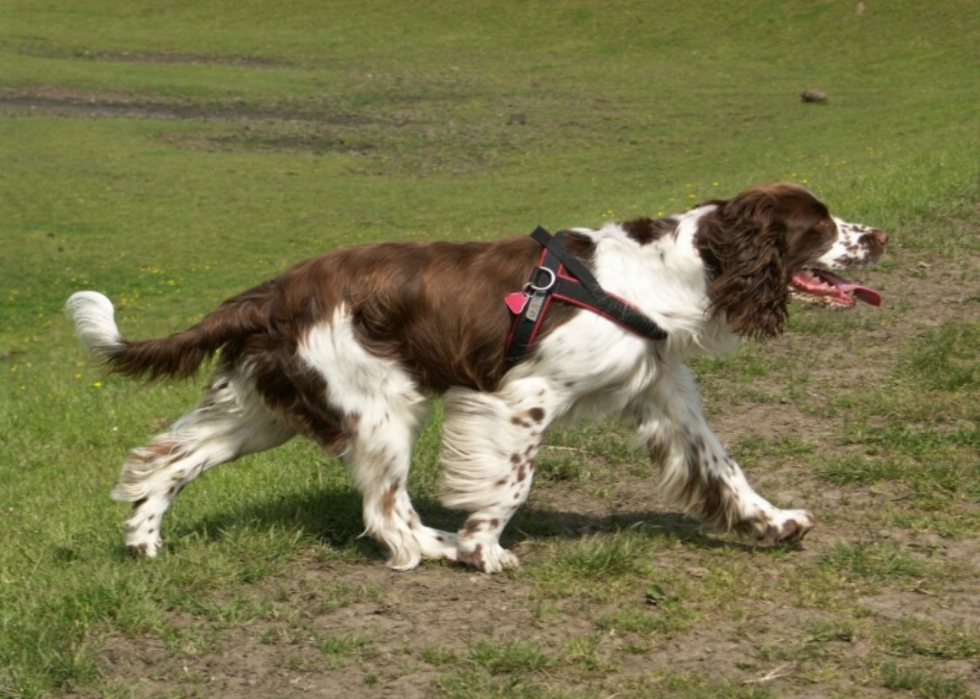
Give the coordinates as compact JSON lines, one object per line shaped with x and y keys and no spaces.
{"x":551,"y":281}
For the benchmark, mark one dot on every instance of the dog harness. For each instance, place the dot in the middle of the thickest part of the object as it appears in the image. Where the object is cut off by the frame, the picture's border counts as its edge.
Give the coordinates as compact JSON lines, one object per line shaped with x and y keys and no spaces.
{"x":562,"y":276}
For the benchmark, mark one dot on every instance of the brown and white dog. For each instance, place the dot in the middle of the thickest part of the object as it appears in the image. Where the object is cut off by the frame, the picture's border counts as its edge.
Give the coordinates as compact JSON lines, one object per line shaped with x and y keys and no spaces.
{"x":346,"y":348}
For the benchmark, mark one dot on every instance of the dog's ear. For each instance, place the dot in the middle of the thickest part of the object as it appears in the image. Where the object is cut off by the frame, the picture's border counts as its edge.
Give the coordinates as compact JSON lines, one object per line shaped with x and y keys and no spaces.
{"x":743,"y":245}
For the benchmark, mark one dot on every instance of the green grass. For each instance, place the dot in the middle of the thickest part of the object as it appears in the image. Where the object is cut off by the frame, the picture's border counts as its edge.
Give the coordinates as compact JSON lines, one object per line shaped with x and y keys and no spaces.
{"x":942,"y":360}
{"x":924,"y":684}
{"x":298,"y":128}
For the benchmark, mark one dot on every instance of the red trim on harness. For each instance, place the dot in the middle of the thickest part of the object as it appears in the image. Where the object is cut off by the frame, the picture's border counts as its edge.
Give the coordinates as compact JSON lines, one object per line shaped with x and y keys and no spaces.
{"x":567,"y":299}
{"x":578,"y":287}
{"x":517,"y":318}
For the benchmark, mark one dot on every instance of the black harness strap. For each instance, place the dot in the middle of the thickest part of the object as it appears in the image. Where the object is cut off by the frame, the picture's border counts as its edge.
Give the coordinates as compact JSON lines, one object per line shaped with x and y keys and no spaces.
{"x":562,"y":276}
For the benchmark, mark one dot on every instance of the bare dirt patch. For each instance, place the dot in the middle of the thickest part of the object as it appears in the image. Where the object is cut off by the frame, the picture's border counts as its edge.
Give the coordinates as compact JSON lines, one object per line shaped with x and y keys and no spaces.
{"x":153,"y":57}
{"x":67,"y":102}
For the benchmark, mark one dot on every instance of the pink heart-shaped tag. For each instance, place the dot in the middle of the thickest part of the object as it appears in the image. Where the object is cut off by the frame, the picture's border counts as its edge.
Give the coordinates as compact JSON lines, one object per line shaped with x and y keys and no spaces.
{"x":516,"y":302}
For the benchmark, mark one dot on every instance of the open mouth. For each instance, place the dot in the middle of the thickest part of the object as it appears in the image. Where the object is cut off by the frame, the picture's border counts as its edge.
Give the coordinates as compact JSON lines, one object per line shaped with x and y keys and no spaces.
{"x":820,"y":286}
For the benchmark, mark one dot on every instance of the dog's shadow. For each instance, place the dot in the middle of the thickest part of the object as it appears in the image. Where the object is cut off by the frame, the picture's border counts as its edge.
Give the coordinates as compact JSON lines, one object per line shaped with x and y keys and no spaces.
{"x":332,"y":516}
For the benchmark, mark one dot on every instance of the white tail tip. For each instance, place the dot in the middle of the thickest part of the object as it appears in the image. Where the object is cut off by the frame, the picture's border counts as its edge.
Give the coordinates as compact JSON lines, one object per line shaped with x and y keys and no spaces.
{"x":94,"y":321}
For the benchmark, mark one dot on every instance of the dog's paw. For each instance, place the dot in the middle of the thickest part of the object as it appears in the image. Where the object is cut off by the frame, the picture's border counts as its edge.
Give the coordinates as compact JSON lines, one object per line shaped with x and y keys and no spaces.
{"x":143,"y":535}
{"x":148,"y":548}
{"x":783,"y":527}
{"x":488,"y":558}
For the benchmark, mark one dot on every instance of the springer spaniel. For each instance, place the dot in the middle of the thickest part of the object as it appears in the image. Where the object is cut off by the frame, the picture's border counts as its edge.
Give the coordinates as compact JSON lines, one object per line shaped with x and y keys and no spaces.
{"x":347,"y":347}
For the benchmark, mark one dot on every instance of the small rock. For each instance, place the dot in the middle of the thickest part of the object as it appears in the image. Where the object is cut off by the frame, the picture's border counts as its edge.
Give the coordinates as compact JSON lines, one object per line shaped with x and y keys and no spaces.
{"x":814,"y":96}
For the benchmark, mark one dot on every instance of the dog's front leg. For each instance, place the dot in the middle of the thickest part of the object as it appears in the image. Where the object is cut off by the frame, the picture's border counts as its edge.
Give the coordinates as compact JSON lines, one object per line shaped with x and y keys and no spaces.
{"x":698,"y":474}
{"x":489,"y":445}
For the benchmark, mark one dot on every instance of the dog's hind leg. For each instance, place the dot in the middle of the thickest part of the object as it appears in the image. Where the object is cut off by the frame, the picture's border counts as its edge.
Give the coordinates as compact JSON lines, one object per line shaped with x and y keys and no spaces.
{"x":380,"y":458}
{"x":489,"y":446}
{"x":230,"y":421}
{"x":382,"y":411}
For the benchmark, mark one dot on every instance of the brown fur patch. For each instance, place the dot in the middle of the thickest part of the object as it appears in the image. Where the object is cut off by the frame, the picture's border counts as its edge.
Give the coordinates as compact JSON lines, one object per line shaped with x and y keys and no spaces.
{"x":704,"y":494}
{"x":389,"y":497}
{"x":659,"y":450}
{"x":475,"y":558}
{"x":418,"y":303}
{"x":161,"y":448}
{"x":181,"y":354}
{"x":751,"y":245}
{"x":436,"y":308}
{"x":473,"y":525}
{"x":646,"y":230}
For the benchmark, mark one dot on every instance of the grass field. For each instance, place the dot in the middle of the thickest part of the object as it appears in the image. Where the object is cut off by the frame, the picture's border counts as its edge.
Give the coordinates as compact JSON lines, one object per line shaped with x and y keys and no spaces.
{"x":172,"y":153}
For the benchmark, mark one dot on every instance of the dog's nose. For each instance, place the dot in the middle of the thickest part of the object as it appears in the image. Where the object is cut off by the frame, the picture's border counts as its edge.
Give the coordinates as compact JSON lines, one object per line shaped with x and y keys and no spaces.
{"x":880,"y":236}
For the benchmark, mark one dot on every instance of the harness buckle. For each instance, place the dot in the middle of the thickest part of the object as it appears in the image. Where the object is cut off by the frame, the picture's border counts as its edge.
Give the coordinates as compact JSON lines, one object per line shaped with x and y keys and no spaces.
{"x":541,"y":288}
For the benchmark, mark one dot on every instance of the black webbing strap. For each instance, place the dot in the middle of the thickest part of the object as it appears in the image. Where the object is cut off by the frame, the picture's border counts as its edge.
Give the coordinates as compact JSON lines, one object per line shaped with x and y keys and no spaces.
{"x":562,"y":276}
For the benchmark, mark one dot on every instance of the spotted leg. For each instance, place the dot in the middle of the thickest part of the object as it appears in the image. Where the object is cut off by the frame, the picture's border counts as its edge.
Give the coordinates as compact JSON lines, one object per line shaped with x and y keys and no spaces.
{"x":230,"y":421}
{"x":380,"y":458}
{"x":489,"y":445}
{"x":696,"y":471}
{"x":383,"y":412}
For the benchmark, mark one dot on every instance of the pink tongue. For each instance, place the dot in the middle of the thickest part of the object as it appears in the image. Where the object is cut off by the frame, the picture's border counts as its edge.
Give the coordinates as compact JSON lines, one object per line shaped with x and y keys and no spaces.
{"x":861,"y":292}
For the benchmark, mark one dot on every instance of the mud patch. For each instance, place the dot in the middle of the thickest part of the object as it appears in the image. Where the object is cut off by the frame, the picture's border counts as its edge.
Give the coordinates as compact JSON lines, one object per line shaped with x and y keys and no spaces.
{"x":409,"y":141}
{"x":272,"y":137}
{"x":164,"y":58}
{"x":59,"y":101}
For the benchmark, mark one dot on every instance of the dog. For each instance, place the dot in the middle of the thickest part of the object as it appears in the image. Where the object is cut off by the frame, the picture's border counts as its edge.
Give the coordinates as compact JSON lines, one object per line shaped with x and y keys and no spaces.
{"x":347,"y":348}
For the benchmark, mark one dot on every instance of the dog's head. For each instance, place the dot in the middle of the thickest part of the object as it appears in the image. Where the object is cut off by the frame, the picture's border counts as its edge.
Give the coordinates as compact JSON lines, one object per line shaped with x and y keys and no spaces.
{"x":773,"y":242}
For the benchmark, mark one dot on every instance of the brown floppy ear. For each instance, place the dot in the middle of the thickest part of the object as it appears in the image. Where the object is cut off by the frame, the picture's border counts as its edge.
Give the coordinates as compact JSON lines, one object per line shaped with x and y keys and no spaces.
{"x":743,"y":245}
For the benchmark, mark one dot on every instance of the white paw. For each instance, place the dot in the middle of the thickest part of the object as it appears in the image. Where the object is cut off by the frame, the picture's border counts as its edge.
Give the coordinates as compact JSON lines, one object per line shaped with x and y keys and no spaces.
{"x":507,"y":560}
{"x":784,"y":527}
{"x":489,"y":558}
{"x":144,"y":545}
{"x":143,"y":529}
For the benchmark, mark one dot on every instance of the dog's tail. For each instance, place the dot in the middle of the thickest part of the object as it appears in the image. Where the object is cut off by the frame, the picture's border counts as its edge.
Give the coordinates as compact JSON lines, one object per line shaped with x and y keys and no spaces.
{"x":178,"y":356}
